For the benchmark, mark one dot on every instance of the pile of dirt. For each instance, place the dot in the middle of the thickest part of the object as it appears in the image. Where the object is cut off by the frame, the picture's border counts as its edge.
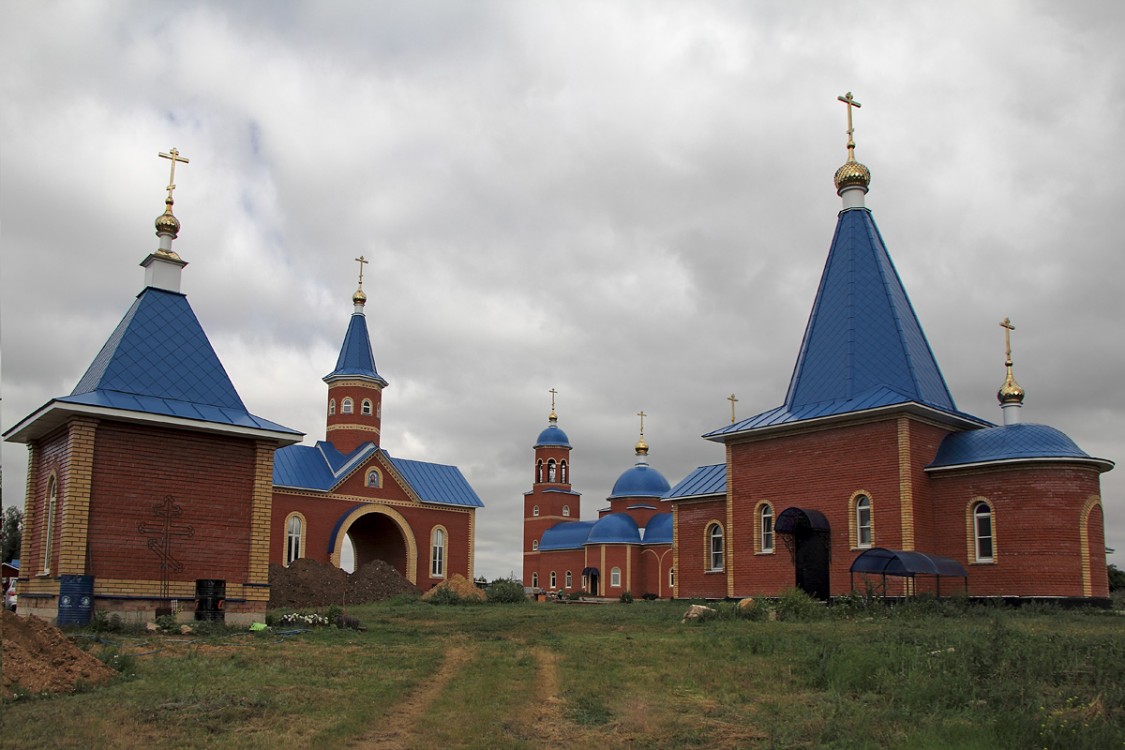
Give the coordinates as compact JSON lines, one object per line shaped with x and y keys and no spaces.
{"x":459,"y":585}
{"x":307,"y":583}
{"x":38,"y":658}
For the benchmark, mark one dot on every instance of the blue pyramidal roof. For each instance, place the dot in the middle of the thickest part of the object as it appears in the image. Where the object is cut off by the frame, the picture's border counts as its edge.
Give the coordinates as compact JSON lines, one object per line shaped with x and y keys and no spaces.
{"x":158,"y":361}
{"x":356,"y":359}
{"x":863,"y":347}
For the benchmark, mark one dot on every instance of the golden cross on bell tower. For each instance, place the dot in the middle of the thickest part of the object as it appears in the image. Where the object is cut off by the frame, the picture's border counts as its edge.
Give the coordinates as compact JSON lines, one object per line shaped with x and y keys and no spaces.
{"x":553,"y":392}
{"x":642,"y":415}
{"x":851,"y":102}
{"x":174,"y":156}
{"x":362,"y":262}
{"x":733,"y":401}
{"x":1006,"y":324}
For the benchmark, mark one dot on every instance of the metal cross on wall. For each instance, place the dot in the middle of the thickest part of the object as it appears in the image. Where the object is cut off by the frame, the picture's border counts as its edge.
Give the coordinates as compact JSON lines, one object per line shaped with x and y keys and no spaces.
{"x":164,"y":530}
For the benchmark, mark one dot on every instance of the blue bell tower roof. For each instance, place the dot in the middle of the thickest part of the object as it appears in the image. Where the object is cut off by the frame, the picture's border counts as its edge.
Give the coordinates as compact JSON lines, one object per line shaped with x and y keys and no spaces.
{"x":356,"y":359}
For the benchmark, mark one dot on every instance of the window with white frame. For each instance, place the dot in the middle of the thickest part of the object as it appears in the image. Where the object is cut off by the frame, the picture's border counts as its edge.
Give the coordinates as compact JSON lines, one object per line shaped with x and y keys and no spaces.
{"x":365,"y":408}
{"x":671,"y":577}
{"x":569,"y":579}
{"x":535,"y":580}
{"x":346,"y":406}
{"x":535,"y":511}
{"x":615,"y":577}
{"x":534,"y":545}
{"x":50,"y":506}
{"x":331,"y":406}
{"x":765,"y":528}
{"x":983,"y":533}
{"x":863,"y":535}
{"x":437,"y":553}
{"x":566,"y":511}
{"x":715,"y":547}
{"x":294,"y":534}
{"x":554,"y":580}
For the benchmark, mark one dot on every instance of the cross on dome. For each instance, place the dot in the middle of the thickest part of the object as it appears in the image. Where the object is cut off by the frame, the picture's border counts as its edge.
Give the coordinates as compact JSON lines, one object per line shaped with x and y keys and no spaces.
{"x":733,"y":401}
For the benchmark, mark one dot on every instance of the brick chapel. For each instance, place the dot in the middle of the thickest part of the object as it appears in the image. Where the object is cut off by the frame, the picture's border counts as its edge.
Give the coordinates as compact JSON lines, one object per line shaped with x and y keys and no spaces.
{"x":152,"y":479}
{"x":869,"y":467}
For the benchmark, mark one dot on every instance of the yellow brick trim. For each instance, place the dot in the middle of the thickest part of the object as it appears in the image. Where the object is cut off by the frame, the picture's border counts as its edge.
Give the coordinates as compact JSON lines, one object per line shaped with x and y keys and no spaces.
{"x":1084,"y":540}
{"x":728,"y":534}
{"x":675,"y":550}
{"x":29,"y":498}
{"x":905,"y":488}
{"x":354,"y":383}
{"x":357,"y":427}
{"x":707,"y":545}
{"x":472,"y":541}
{"x":853,"y":528}
{"x":300,"y":540}
{"x":75,"y":522}
{"x":261,"y":512}
{"x":758,"y":550}
{"x":971,"y":530}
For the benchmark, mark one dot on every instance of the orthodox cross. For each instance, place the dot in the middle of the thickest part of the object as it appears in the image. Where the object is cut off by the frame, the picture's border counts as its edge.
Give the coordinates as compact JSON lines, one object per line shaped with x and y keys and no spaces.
{"x":733,"y":401}
{"x":174,"y":156}
{"x":848,"y":100}
{"x":362,"y":262}
{"x":1006,"y":324}
{"x":552,"y":392}
{"x":642,"y":415}
{"x":164,"y":530}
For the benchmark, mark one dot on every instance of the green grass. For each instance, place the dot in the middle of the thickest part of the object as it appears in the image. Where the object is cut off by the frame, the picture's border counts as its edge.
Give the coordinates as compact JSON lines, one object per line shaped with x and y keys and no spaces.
{"x":920,"y":676}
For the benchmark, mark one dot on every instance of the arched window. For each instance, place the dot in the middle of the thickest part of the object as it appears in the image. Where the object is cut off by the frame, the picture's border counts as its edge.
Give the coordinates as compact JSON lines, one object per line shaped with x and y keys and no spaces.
{"x":534,"y":545}
{"x":437,"y":553}
{"x":331,"y":406}
{"x":983,"y":533}
{"x":553,"y":580}
{"x":373,"y":478}
{"x":535,"y":511}
{"x":765,"y":528}
{"x":539,"y":470}
{"x":346,"y":406}
{"x":566,"y":511}
{"x":365,"y":407}
{"x":715,"y":547}
{"x":50,"y":505}
{"x":551,"y":470}
{"x":294,"y":538}
{"x":863,"y":533}
{"x":671,"y":577}
{"x":535,"y":580}
{"x":569,"y":579}
{"x":563,"y":473}
{"x":615,"y":577}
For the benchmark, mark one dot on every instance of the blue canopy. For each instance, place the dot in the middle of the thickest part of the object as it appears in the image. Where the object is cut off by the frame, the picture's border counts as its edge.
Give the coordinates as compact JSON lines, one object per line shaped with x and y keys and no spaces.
{"x":891,"y":562}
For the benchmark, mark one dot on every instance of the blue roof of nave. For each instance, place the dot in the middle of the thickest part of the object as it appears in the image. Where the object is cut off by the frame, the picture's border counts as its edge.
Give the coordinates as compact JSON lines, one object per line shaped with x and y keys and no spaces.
{"x":356,"y":358}
{"x":863,"y":346}
{"x":159,"y":361}
{"x":1012,"y":442}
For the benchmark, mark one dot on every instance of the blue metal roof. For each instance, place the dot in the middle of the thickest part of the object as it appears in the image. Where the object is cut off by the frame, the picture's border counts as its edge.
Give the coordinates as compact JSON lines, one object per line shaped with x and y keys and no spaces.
{"x":640,"y":480}
{"x":659,"y":529}
{"x":863,"y":346}
{"x":893,"y":562}
{"x":705,"y":480}
{"x":356,"y":359}
{"x":159,"y":361}
{"x":552,"y":435}
{"x":321,"y":468}
{"x":566,"y":535}
{"x":616,"y":528}
{"x":1013,"y":442}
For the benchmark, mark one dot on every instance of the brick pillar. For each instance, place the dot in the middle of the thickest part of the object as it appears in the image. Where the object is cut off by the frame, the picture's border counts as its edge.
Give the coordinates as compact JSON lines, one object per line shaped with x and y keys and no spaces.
{"x":905,"y":484}
{"x":76,"y":497}
{"x":27,"y":541}
{"x":261,"y":509}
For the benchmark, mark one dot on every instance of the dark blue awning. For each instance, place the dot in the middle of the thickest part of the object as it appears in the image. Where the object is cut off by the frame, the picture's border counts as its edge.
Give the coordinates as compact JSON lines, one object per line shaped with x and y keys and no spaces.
{"x":792,"y":519}
{"x":589,"y":571}
{"x":892,"y":562}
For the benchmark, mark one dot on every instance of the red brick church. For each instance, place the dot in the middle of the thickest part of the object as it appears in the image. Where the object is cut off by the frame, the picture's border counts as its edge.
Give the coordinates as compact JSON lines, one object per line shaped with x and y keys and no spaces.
{"x":869,"y":469}
{"x":151,"y":488}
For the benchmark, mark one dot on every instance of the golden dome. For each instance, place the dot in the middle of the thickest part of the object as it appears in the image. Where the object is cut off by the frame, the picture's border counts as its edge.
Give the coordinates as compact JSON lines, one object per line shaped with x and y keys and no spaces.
{"x":166,"y":223}
{"x":1010,"y":392}
{"x":642,"y":447}
{"x":852,"y":174}
{"x":359,"y":298}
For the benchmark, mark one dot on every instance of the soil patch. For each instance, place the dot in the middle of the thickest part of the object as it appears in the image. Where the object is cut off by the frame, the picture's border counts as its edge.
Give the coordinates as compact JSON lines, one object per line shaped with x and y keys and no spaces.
{"x":308,"y":583}
{"x":459,"y":585}
{"x":38,"y":658}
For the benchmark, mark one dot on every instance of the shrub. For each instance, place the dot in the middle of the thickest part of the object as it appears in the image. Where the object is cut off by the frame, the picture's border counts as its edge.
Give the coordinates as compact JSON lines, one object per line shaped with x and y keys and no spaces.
{"x":627,"y":597}
{"x":755,"y":610}
{"x":574,"y":596}
{"x":795,"y":604}
{"x":444,"y":595}
{"x":506,"y":591}
{"x":648,"y":596}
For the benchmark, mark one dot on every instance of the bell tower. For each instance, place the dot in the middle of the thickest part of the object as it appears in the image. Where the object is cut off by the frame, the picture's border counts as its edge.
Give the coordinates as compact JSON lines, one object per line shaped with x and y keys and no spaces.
{"x":355,"y":388}
{"x":551,"y":500}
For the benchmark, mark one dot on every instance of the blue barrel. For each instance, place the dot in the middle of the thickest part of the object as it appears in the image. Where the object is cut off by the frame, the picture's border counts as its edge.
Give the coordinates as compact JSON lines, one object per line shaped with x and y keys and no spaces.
{"x":76,"y":599}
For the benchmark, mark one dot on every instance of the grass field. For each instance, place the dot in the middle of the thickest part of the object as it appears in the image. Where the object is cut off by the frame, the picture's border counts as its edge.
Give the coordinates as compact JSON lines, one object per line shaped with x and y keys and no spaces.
{"x":610,"y":676}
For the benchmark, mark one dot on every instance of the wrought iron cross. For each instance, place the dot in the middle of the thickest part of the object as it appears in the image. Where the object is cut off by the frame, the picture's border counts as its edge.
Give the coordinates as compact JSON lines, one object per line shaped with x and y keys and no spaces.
{"x":164,"y":530}
{"x":174,"y":156}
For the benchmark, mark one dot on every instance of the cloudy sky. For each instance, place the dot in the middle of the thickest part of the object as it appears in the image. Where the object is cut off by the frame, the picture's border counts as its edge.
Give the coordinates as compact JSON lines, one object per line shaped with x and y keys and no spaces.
{"x":628,"y":202}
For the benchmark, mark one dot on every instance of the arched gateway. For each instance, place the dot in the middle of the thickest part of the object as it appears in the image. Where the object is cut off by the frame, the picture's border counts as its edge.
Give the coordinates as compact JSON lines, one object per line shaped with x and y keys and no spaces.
{"x":378,"y":532}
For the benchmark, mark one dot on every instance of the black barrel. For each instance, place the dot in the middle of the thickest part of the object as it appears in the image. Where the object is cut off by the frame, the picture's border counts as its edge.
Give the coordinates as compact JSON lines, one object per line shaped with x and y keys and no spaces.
{"x":210,"y":595}
{"x":76,"y":599}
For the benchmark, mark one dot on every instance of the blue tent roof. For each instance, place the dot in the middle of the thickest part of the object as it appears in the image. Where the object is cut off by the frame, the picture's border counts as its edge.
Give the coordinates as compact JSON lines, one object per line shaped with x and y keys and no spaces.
{"x":615,"y":528}
{"x":1015,"y":442}
{"x":552,"y":435}
{"x":705,"y":480}
{"x":159,"y":361}
{"x":659,"y":529}
{"x":863,"y":346}
{"x":640,"y":480}
{"x":566,"y":535}
{"x":905,"y":563}
{"x":321,"y":468}
{"x":356,"y":359}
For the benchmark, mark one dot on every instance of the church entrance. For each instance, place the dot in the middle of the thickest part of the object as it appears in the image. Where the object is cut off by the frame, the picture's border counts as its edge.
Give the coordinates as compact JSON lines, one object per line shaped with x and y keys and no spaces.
{"x":590,"y":575}
{"x":377,"y":537}
{"x":806,"y":534}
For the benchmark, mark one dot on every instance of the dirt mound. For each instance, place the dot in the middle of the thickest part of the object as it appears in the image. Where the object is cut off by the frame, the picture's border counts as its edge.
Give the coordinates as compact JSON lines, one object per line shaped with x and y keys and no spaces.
{"x":38,"y":658}
{"x":461,"y":586}
{"x":307,"y":583}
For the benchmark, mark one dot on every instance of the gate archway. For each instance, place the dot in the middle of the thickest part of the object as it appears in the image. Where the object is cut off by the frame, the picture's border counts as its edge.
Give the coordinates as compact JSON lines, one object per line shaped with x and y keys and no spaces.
{"x":377,"y":532}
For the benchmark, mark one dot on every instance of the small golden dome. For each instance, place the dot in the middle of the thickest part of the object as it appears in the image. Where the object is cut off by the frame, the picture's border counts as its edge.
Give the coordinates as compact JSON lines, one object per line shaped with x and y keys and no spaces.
{"x":1010,"y":392}
{"x":167,"y":223}
{"x":359,"y":298}
{"x":642,"y":447}
{"x":852,"y":174}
